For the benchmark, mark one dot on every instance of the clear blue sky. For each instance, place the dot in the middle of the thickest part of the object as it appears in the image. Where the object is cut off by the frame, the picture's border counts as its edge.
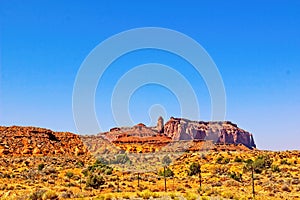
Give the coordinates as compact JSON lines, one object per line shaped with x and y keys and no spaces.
{"x":255,"y":44}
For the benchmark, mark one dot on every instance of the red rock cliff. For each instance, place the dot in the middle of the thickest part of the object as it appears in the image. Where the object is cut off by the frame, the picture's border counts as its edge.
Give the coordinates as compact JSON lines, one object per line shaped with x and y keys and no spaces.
{"x":220,"y":132}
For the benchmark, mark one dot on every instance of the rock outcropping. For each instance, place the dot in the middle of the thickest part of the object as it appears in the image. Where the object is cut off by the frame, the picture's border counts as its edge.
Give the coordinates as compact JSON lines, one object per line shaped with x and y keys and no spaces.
{"x":220,"y":132}
{"x":139,"y":138}
{"x":17,"y":141}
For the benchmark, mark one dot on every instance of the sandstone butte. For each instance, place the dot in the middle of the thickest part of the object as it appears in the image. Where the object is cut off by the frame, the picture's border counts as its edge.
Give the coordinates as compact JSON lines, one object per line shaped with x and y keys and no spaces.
{"x":175,"y":134}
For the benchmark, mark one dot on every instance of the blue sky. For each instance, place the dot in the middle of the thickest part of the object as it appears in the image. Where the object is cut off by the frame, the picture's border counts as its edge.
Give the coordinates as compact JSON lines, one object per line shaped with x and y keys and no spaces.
{"x":255,"y":45}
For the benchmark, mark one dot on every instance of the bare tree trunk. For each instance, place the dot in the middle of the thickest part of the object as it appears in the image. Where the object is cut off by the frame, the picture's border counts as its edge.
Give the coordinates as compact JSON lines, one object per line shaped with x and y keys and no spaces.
{"x":253,"y":189}
{"x":165,"y":178}
{"x":138,"y":180}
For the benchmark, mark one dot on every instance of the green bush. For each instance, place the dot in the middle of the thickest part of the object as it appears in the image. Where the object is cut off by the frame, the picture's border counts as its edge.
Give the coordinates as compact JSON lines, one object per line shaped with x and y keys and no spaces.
{"x":98,"y":167}
{"x":275,"y":168}
{"x":80,"y":163}
{"x":102,"y":160}
{"x":238,"y":159}
{"x":69,"y":174}
{"x":168,"y":172}
{"x":219,"y":159}
{"x":108,"y":171}
{"x":41,"y":166}
{"x":94,"y":181}
{"x":147,"y":194}
{"x":236,"y":176}
{"x":85,"y":172}
{"x":194,"y":169}
{"x":121,"y":159}
{"x":226,"y":160}
{"x":284,"y":162}
{"x":259,"y":164}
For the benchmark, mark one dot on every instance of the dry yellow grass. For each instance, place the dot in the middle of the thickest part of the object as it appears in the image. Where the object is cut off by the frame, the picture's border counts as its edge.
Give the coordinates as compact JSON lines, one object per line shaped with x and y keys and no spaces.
{"x":20,"y":178}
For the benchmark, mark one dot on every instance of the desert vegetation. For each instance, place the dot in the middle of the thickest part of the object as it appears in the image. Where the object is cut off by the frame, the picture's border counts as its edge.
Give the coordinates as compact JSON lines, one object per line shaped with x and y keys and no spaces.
{"x":196,"y":175}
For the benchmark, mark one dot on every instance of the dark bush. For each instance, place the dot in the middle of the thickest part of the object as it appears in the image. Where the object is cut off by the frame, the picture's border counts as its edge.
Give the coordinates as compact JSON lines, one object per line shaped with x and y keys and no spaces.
{"x":37,"y":195}
{"x":226,"y":160}
{"x":69,"y":174}
{"x":95,"y":181}
{"x":85,"y":172}
{"x":275,"y":168}
{"x":238,"y":159}
{"x":259,"y":164}
{"x":102,"y":160}
{"x":121,"y":159}
{"x":168,"y":172}
{"x":219,"y":159}
{"x":194,"y":169}
{"x":284,"y":162}
{"x":236,"y":176}
{"x":41,"y":166}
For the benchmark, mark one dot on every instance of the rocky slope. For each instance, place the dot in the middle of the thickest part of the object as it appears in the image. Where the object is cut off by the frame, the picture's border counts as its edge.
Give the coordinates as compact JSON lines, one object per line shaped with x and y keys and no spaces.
{"x":138,"y":139}
{"x":17,"y":141}
{"x":220,"y":132}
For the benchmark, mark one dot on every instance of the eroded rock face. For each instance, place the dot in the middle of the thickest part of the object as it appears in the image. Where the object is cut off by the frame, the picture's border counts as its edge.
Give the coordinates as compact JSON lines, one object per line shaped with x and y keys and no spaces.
{"x":160,"y":125}
{"x":138,"y":138}
{"x":220,"y":132}
{"x":16,"y":140}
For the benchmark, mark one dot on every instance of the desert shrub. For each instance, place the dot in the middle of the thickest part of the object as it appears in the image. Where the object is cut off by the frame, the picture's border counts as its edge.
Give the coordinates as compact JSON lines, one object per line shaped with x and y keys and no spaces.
{"x":205,"y":198}
{"x":102,"y":160}
{"x":85,"y":172}
{"x":238,"y":159}
{"x":284,"y":162}
{"x":228,"y":195}
{"x":97,"y":167}
{"x":50,"y":195}
{"x":172,"y":195}
{"x":180,"y":189}
{"x":94,"y":181}
{"x":259,"y":164}
{"x":50,"y":170}
{"x":80,"y":163}
{"x":190,"y":196}
{"x":267,"y":161}
{"x":194,"y":169}
{"x":121,"y":159}
{"x":236,"y":176}
{"x":249,"y":161}
{"x":108,"y":197}
{"x":166,"y":160}
{"x":41,"y":166}
{"x":125,"y":196}
{"x":147,"y":194}
{"x":168,"y":172}
{"x":285,"y":188}
{"x":108,"y":171}
{"x":37,"y":195}
{"x":69,"y":174}
{"x":219,"y":159}
{"x":220,"y":170}
{"x":226,"y":160}
{"x":275,"y":168}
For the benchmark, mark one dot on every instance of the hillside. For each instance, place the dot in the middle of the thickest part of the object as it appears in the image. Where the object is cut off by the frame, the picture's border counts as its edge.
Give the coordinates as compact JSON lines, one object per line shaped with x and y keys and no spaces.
{"x":22,"y":141}
{"x":37,"y":163}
